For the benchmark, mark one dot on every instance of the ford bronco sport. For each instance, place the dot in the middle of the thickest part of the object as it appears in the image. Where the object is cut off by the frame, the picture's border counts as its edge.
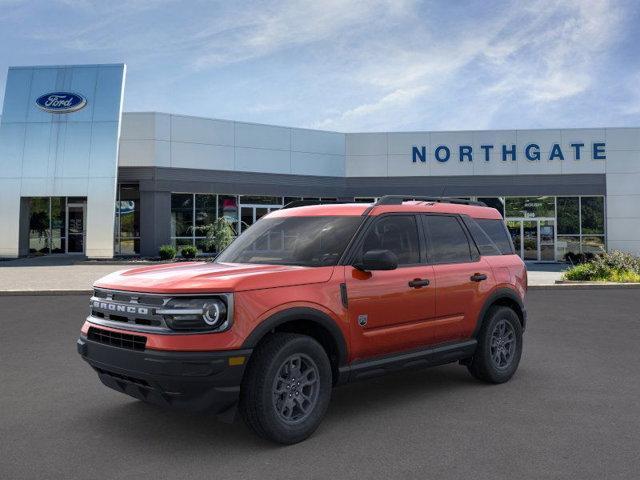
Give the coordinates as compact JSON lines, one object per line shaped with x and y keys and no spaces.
{"x":310,"y":297}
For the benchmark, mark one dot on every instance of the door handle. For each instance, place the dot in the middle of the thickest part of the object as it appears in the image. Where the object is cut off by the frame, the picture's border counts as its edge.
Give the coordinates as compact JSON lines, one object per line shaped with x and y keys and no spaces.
{"x":478,"y":277}
{"x":418,"y":282}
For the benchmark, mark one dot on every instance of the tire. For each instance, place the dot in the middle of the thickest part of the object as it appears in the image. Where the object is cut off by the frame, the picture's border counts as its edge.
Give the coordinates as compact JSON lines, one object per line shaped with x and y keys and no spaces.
{"x":495,"y":359}
{"x":276,"y":405}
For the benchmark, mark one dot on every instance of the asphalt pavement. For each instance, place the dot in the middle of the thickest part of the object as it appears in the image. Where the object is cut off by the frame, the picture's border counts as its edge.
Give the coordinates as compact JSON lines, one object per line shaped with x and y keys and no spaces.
{"x":571,"y":412}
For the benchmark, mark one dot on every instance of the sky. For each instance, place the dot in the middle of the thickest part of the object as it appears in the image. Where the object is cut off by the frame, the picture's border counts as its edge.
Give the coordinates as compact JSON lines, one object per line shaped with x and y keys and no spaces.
{"x":350,"y":65}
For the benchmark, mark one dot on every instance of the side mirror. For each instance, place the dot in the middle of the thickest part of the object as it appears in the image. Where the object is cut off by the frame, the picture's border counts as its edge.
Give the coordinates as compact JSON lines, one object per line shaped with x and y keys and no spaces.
{"x":378,"y":260}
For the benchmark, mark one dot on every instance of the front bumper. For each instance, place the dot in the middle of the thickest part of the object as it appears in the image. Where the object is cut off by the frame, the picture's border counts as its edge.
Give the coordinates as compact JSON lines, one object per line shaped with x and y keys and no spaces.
{"x":196,"y":381}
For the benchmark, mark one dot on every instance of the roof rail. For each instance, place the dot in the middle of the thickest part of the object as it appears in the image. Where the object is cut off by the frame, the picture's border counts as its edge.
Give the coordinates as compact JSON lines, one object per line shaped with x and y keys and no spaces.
{"x":398,"y":199}
{"x":307,"y":203}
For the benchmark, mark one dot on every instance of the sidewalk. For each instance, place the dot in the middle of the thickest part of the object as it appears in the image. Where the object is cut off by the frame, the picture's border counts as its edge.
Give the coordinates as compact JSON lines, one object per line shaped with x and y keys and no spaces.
{"x":544,"y":273}
{"x":62,"y":275}
{"x":51,"y":274}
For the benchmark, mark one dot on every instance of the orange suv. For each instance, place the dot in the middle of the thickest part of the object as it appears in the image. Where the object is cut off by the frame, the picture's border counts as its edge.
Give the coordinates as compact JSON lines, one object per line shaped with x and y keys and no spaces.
{"x":311,"y":297}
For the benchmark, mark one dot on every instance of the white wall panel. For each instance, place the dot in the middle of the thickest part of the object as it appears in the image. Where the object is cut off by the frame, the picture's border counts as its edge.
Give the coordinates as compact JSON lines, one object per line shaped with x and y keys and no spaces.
{"x":400,"y":143}
{"x":401,"y":165}
{"x":140,"y":153}
{"x":139,"y":126}
{"x":623,"y":161}
{"x":201,"y":130}
{"x":623,"y":206}
{"x":623,"y":183}
{"x":313,"y":141}
{"x":623,"y":139}
{"x":198,"y":155}
{"x":366,"y":144}
{"x":366,"y":166}
{"x":263,"y":160}
{"x":262,"y":136}
{"x":303,"y":163}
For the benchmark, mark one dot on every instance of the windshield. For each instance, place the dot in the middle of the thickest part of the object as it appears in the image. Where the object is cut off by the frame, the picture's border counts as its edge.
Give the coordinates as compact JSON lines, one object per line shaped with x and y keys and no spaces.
{"x":305,"y":241}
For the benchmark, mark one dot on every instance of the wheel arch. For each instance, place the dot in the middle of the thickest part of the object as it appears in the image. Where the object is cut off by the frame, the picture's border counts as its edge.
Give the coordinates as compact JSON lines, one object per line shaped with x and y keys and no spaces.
{"x":503,"y":297}
{"x":306,"y":321}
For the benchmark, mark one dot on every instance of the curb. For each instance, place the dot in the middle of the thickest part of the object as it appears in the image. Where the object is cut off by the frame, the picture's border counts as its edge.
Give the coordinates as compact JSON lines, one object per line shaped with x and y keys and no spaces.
{"x":41,"y":293}
{"x":584,"y":286}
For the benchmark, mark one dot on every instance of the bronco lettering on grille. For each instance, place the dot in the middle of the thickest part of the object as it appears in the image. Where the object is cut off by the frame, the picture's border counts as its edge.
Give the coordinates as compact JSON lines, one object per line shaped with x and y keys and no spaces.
{"x":116,"y":307}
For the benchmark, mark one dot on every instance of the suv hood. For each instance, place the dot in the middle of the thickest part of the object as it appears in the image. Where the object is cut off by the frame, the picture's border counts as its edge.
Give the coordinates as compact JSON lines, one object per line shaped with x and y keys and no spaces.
{"x":208,"y":277}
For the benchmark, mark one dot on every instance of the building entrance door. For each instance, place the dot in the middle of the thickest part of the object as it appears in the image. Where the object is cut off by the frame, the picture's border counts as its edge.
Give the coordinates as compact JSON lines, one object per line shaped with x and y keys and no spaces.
{"x":250,"y":214}
{"x":76,"y":220}
{"x":534,"y":239}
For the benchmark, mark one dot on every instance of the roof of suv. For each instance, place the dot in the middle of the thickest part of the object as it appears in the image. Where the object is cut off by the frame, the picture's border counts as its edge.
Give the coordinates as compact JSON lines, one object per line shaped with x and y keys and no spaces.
{"x":355,"y":209}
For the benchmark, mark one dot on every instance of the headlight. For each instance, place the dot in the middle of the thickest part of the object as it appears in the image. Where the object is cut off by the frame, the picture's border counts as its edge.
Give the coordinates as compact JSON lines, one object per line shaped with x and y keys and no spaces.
{"x":196,"y":314}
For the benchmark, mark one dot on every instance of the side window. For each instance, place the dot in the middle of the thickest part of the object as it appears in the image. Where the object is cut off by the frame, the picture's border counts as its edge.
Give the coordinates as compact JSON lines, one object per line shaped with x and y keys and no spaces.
{"x":497,"y":231}
{"x":448,"y":241}
{"x":484,"y":243}
{"x":397,"y":233}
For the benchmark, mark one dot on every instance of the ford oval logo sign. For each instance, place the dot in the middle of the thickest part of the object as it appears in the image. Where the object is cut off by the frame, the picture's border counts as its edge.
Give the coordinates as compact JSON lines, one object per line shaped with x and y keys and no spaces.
{"x":61,"y":102}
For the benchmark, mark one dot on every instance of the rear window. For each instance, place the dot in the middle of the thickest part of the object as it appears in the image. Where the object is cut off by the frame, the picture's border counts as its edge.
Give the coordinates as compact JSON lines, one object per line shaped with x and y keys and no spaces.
{"x":497,"y":232}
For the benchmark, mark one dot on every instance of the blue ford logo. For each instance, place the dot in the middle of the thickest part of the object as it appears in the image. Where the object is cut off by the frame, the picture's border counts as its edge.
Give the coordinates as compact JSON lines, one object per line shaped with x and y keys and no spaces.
{"x":61,"y":102}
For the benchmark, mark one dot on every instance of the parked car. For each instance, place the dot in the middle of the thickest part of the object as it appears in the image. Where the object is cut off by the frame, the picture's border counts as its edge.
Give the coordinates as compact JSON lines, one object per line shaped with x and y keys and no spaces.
{"x":308,"y":298}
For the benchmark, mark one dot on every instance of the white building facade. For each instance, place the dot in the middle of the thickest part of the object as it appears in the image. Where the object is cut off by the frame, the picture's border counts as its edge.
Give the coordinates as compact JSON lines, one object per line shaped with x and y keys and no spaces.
{"x":560,"y":190}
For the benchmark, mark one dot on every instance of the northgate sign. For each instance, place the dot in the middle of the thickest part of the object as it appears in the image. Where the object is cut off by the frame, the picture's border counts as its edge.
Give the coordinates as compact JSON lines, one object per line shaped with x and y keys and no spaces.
{"x":531,"y":152}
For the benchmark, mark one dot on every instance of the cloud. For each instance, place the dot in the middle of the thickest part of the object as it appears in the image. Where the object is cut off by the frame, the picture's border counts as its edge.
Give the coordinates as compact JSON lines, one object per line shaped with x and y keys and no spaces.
{"x":342,"y":64}
{"x":537,"y":53}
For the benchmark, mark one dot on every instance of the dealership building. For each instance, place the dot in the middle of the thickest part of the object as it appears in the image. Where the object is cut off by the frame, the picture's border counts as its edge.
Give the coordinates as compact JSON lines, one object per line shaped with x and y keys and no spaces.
{"x":79,"y":176}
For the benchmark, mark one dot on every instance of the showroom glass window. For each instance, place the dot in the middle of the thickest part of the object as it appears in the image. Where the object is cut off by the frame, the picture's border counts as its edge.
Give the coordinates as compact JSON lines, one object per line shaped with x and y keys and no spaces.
{"x":581,"y":223}
{"x":191,"y":212}
{"x":530,"y":207}
{"x":127,"y":227}
{"x":48,"y":232}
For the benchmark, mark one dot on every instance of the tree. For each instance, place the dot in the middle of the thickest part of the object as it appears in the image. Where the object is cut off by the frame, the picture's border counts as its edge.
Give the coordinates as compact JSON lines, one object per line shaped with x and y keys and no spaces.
{"x":219,"y":234}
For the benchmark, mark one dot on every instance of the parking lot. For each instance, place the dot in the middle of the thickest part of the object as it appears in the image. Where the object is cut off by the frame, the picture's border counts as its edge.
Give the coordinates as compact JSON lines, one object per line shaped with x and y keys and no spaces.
{"x":571,"y":411}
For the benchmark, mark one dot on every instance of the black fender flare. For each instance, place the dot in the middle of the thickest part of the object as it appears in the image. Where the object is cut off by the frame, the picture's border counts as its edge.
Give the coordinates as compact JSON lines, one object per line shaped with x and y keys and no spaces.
{"x":495,"y":297}
{"x":300,"y":313}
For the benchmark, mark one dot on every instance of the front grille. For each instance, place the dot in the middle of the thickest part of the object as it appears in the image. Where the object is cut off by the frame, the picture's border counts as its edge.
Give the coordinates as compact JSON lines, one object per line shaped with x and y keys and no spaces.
{"x":128,"y":297}
{"x":117,"y":339}
{"x":132,"y":308}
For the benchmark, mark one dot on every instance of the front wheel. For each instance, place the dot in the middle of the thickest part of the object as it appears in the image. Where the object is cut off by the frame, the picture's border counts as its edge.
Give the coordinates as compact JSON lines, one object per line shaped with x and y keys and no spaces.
{"x":287,"y":388}
{"x":499,"y":349}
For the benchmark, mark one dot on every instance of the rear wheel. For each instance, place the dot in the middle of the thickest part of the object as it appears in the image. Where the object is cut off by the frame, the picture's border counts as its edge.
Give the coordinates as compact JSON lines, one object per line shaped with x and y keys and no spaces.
{"x":287,"y":388}
{"x":499,"y":349}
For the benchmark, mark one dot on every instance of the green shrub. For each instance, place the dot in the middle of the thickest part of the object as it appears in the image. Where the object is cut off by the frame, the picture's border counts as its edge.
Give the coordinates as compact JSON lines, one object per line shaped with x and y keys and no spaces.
{"x":582,"y":271}
{"x":167,"y":252}
{"x":614,"y":266}
{"x":188,"y":251}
